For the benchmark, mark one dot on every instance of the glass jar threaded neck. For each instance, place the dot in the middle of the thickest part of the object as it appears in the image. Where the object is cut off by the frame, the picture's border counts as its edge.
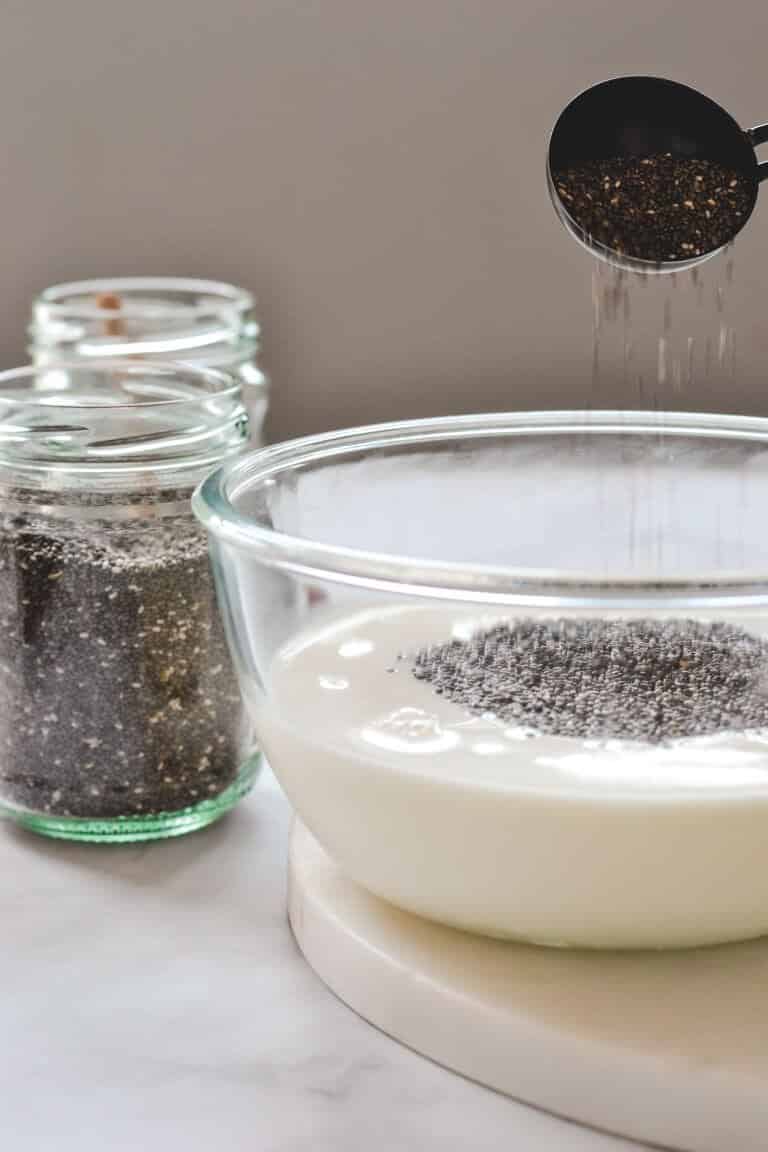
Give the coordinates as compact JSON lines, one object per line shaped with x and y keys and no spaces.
{"x":159,"y":318}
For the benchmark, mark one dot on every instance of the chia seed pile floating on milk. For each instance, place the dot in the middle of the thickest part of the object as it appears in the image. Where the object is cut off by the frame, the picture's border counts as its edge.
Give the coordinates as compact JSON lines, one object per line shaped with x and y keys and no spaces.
{"x":117,"y":697}
{"x":658,"y":208}
{"x":633,"y":679}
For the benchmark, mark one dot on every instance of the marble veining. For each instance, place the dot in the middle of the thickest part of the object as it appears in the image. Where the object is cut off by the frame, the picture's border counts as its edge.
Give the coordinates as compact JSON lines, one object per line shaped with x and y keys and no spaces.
{"x":154,"y":999}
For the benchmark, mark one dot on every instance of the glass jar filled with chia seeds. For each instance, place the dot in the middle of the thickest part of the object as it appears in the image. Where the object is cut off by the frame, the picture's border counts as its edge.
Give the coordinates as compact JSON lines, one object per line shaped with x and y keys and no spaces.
{"x":120,"y":715}
{"x":155,"y":318}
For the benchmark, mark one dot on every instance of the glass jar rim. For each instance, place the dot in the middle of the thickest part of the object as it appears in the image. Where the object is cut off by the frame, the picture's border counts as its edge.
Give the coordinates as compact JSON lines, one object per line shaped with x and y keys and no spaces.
{"x":214,"y":504}
{"x":217,"y":383}
{"x":47,"y":423}
{"x":59,"y":303}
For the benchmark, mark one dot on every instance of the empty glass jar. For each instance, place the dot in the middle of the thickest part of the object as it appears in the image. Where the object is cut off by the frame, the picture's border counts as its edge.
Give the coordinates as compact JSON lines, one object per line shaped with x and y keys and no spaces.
{"x":120,"y":715}
{"x":155,"y":318}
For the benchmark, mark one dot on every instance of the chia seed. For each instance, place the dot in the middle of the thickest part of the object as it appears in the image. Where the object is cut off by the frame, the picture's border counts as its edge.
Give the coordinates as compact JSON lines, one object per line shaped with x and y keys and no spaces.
{"x":642,"y":680}
{"x":658,"y":208}
{"x":117,"y":697}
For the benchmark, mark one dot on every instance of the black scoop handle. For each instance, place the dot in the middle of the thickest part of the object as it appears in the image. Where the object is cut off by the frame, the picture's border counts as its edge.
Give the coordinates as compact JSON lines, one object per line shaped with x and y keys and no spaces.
{"x":759,"y":135}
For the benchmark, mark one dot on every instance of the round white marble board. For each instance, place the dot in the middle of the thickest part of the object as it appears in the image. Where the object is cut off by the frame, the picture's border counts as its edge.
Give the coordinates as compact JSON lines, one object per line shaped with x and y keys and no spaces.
{"x":666,"y":1047}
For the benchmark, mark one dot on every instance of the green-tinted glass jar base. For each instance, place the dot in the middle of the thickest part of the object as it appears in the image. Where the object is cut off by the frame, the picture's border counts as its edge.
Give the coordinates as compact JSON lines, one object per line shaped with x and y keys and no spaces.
{"x":131,"y":829}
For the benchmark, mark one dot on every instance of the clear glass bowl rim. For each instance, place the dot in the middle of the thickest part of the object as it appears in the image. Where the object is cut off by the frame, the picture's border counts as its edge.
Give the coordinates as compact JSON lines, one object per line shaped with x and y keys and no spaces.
{"x":213,"y":503}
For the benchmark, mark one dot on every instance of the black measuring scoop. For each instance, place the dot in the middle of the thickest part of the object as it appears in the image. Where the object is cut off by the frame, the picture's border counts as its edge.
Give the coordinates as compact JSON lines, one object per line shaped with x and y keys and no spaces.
{"x":659,"y":128}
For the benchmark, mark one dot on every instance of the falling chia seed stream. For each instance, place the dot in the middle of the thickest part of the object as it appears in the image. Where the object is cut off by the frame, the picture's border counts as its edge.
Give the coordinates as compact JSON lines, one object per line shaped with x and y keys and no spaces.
{"x":667,"y":336}
{"x":637,"y":680}
{"x":670,"y":334}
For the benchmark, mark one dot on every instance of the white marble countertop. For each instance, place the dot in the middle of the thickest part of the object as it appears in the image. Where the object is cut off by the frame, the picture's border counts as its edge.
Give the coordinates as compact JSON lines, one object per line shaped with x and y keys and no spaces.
{"x":153,"y":999}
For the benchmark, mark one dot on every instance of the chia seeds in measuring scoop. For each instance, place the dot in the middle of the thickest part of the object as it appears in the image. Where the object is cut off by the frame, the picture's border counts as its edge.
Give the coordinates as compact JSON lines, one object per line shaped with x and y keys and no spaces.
{"x":120,"y":715}
{"x":642,"y":680}
{"x":657,"y":208}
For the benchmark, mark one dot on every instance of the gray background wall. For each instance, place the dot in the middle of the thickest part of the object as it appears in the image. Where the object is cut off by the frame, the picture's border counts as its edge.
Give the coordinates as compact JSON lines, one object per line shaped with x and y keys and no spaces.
{"x":373,"y":170}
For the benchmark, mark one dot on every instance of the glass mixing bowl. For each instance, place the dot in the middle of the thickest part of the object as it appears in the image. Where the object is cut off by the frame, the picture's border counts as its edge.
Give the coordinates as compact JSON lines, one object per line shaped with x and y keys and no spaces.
{"x":512,"y":670}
